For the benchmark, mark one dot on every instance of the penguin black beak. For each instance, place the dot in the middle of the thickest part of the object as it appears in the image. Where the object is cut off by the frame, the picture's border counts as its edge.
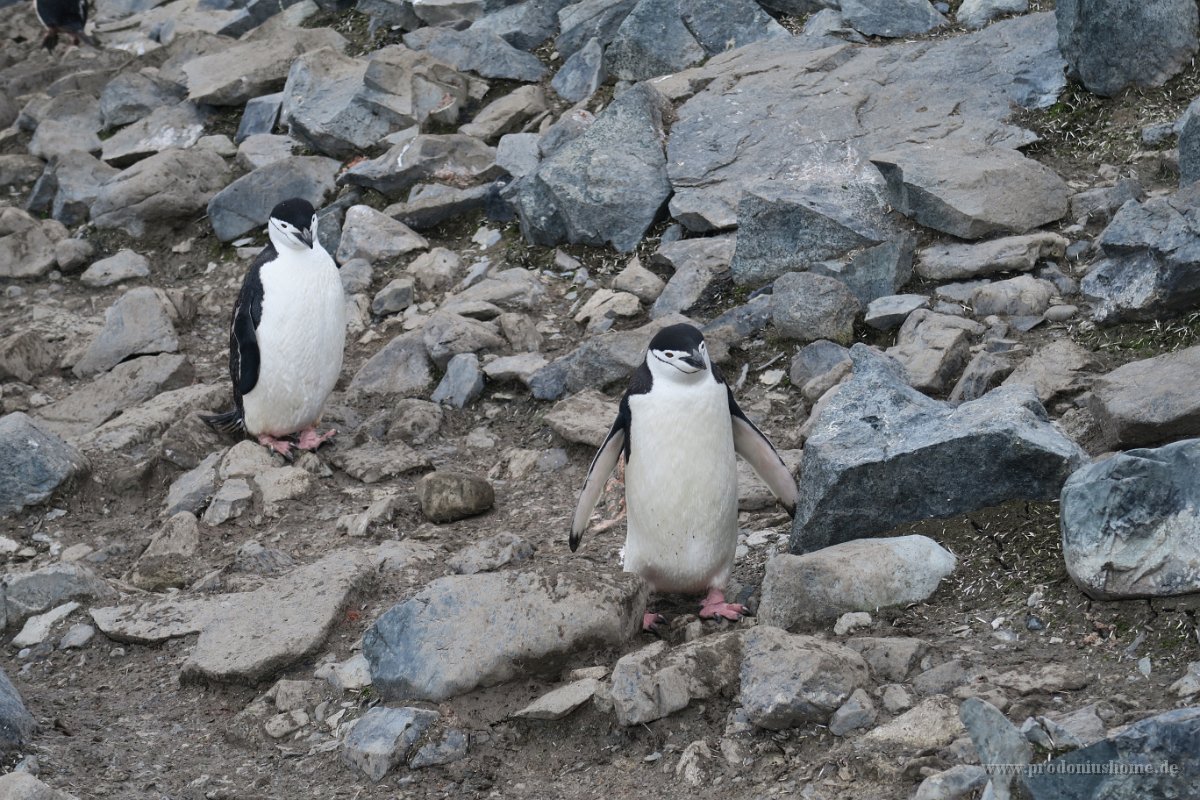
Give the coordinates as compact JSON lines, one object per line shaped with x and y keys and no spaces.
{"x":694,"y":359}
{"x":306,"y":237}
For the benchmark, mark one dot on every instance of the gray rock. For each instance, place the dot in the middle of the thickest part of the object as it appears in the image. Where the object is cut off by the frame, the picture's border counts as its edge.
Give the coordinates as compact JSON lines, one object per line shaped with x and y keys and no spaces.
{"x":513,"y":288}
{"x":972,"y":192}
{"x":658,"y":680}
{"x":652,"y":40}
{"x":121,"y":266}
{"x":891,"y":658}
{"x":76,"y":637}
{"x":451,"y":747}
{"x":1146,"y":272}
{"x":69,"y":121}
{"x":436,"y":270}
{"x":605,"y":186}
{"x":35,"y":464}
{"x":872,"y":272}
{"x":490,"y":554}
{"x":72,"y":254}
{"x":373,"y":462}
{"x":446,"y":335}
{"x":1021,"y":296}
{"x":828,"y":23}
{"x":140,"y":322}
{"x":996,"y":740}
{"x":78,"y":177}
{"x":374,"y":236}
{"x":580,"y":75}
{"x":254,"y":67}
{"x":415,"y":421}
{"x":148,"y":421}
{"x":127,"y":384}
{"x":130,"y":96}
{"x":946,"y":677}
{"x":232,"y":500}
{"x":816,"y":359}
{"x":639,"y":281}
{"x":524,"y":25}
{"x":341,"y":106}
{"x":356,"y":275}
{"x":507,"y":113}
{"x":518,"y":153}
{"x":984,"y":372}
{"x":452,"y":636}
{"x":261,"y":149}
{"x":19,"y":169}
{"x":259,"y":117}
{"x":191,"y":491}
{"x":429,"y":205}
{"x":27,"y":245}
{"x":462,"y":383}
{"x":25,"y":355}
{"x":479,"y":51}
{"x":400,"y":368}
{"x":856,"y":713}
{"x":178,"y":126}
{"x":243,"y":206}
{"x":808,"y":307}
{"x":1157,"y":40}
{"x":982,"y":453}
{"x":942,"y":262}
{"x":234,"y":646}
{"x":860,"y":575}
{"x":933,"y":348}
{"x":932,"y":724}
{"x":449,"y":496}
{"x":958,"y":781}
{"x":1101,"y":203}
{"x":891,"y":19}
{"x":978,"y":13}
{"x":520,"y":367}
{"x":896,"y":699}
{"x":1128,"y":523}
{"x":696,"y":262}
{"x":1056,"y":369}
{"x":21,"y":785}
{"x":30,"y":593}
{"x":448,"y":12}
{"x":727,"y":26}
{"x":887,"y":313}
{"x":590,"y":19}
{"x":170,"y":558}
{"x":167,"y":188}
{"x":396,"y":296}
{"x":453,"y":158}
{"x":598,"y":362}
{"x":560,"y":702}
{"x":1148,"y":402}
{"x":521,"y":332}
{"x":789,"y":680}
{"x":584,"y":417}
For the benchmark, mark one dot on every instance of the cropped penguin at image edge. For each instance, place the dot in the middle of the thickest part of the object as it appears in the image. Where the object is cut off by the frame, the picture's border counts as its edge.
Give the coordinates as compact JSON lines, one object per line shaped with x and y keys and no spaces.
{"x":286,"y":337}
{"x":679,"y":429}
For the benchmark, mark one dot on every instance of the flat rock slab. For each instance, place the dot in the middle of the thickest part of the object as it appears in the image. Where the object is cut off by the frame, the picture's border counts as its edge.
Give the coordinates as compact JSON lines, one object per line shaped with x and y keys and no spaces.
{"x":584,"y":418}
{"x":658,"y":680}
{"x":560,"y":702}
{"x":168,"y":188}
{"x":860,"y":575}
{"x":957,"y":261}
{"x":933,"y":723}
{"x":30,"y":593}
{"x":1149,"y":402}
{"x":461,"y":632}
{"x":1131,"y":525}
{"x":149,"y":420}
{"x":140,"y":322}
{"x":34,"y":463}
{"x":880,"y":453}
{"x":246,"y":636}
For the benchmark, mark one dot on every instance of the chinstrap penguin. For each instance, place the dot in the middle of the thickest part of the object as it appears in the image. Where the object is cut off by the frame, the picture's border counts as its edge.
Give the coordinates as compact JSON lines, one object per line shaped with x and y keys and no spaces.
{"x":63,"y":16}
{"x":679,"y":428}
{"x":287,"y":336}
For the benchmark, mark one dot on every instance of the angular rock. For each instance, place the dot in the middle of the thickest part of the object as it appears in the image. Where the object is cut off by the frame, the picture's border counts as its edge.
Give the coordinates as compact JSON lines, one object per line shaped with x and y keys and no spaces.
{"x":140,"y":322}
{"x":933,"y":348}
{"x":856,"y":713}
{"x":167,"y":188}
{"x":34,"y":464}
{"x":891,"y":658}
{"x":652,"y":40}
{"x":178,"y":126}
{"x":234,"y":645}
{"x":1104,"y":201}
{"x":16,"y":723}
{"x":144,"y":423}
{"x":1130,"y":524}
{"x":639,"y":281}
{"x":1148,"y":402}
{"x":891,"y":19}
{"x":983,"y":373}
{"x":432,"y":204}
{"x":605,"y":186}
{"x":959,"y":780}
{"x":1157,"y":40}
{"x":37,"y":629}
{"x":861,"y":575}
{"x":560,"y":702}
{"x":789,"y":680}
{"x":507,"y":114}
{"x":658,"y":680}
{"x":886,"y":313}
{"x":1059,"y":368}
{"x":243,"y":206}
{"x":446,"y":335}
{"x":519,"y":367}
{"x":452,"y":158}
{"x":27,"y":244}
{"x":121,"y":266}
{"x":25,"y":355}
{"x":856,"y":476}
{"x":69,"y":121}
{"x":477,"y":50}
{"x":978,"y":13}
{"x":943,"y":262}
{"x":1022,"y":296}
{"x":933,"y":723}
{"x":400,"y":368}
{"x":254,"y":67}
{"x":232,"y":500}
{"x":30,"y":593}
{"x":372,"y":462}
{"x":462,"y":383}
{"x":130,"y":96}
{"x":452,"y":637}
{"x":79,"y":177}
{"x":996,"y":740}
{"x":808,"y":307}
{"x":20,"y":785}
{"x":581,"y":75}
{"x":584,"y":417}
{"x":259,"y":118}
{"x":371,"y":235}
{"x":191,"y":490}
{"x":588,"y":19}
{"x":449,"y":496}
{"x":518,"y":153}
{"x":396,"y":296}
{"x":384,"y":738}
{"x":972,"y":192}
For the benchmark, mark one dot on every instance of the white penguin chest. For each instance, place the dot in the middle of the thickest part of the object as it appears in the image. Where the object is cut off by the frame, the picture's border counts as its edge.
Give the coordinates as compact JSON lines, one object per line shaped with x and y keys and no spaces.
{"x":681,"y":487}
{"x":301,"y":339}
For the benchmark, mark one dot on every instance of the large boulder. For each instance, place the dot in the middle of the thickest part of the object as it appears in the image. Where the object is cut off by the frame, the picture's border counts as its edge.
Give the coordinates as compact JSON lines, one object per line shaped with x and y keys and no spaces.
{"x":453,"y":636}
{"x":1115,"y":44}
{"x":859,"y":474}
{"x":244,"y":205}
{"x":257,"y":66}
{"x":140,"y":322}
{"x":1149,"y":402}
{"x":606,"y":186}
{"x":167,"y":188}
{"x":1131,"y":524}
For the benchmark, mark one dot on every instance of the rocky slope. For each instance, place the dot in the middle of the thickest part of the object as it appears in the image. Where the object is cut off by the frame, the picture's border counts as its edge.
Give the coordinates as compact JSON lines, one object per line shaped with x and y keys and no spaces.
{"x":945,"y":255}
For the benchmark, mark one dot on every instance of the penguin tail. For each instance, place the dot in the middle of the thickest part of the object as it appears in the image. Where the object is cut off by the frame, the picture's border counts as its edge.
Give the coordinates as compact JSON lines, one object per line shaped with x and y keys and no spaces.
{"x":232,"y":421}
{"x":88,"y":40}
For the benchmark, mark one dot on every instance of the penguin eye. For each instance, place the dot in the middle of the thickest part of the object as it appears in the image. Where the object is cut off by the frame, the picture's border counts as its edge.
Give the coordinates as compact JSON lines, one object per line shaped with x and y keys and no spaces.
{"x":669,"y":353}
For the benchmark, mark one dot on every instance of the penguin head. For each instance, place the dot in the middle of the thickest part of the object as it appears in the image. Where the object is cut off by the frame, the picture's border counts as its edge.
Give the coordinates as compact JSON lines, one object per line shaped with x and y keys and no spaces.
{"x":678,"y":353}
{"x":293,"y":225}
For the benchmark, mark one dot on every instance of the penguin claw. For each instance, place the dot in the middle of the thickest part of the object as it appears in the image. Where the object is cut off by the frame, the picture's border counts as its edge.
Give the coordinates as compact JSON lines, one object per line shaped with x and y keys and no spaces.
{"x":651,"y":621}
{"x":714,"y":606}
{"x":311,"y":440}
{"x":281,"y":446}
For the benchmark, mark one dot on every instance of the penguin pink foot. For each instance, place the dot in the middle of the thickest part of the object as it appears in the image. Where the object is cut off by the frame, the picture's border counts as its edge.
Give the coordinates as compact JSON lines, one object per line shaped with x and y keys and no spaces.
{"x":281,"y":446}
{"x":714,"y":606}
{"x":651,"y":620}
{"x":311,"y":440}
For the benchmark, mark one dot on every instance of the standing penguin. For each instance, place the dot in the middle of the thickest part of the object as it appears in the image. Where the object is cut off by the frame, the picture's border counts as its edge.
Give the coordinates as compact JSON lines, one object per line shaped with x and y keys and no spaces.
{"x":287,"y":336}
{"x":62,"y":16}
{"x":679,"y":428}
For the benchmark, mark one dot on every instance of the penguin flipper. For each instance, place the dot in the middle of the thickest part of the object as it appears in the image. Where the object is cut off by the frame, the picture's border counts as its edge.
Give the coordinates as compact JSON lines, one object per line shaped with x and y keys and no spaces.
{"x":602,"y":466}
{"x":244,"y":356}
{"x":751,"y":444}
